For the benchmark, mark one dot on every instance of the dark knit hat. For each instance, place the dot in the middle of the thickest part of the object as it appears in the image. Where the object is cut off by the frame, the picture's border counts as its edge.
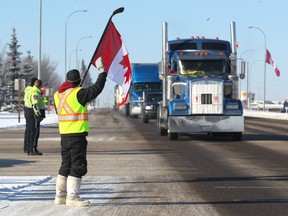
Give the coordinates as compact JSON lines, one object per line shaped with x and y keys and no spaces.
{"x":33,"y":81}
{"x":73,"y":76}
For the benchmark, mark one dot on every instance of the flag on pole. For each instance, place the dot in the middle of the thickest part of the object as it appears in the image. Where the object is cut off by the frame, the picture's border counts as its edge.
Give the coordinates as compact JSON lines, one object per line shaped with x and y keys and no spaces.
{"x":115,"y":59}
{"x":270,"y":61}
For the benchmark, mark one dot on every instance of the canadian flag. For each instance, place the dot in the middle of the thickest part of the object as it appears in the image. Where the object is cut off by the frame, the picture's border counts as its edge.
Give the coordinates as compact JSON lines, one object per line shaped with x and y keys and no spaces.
{"x":269,"y":60}
{"x":115,"y":59}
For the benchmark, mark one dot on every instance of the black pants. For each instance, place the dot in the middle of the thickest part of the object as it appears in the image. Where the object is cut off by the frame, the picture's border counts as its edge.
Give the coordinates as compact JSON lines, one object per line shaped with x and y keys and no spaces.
{"x":37,"y":133}
{"x":31,"y":134}
{"x":32,"y":130}
{"x":73,"y":152}
{"x":29,"y":113}
{"x":26,"y":136}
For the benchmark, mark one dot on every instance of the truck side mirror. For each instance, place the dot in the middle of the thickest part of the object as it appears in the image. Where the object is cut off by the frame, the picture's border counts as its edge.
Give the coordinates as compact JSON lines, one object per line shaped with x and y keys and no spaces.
{"x":243,"y":69}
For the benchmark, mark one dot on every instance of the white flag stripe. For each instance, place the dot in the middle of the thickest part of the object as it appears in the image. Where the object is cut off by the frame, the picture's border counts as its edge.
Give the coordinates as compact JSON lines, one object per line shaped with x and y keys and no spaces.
{"x":116,"y":71}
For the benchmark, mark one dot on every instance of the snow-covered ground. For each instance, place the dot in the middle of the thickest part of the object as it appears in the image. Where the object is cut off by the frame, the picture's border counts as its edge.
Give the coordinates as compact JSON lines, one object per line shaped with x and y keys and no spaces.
{"x":11,"y":120}
{"x":10,"y":186}
{"x":270,"y":115}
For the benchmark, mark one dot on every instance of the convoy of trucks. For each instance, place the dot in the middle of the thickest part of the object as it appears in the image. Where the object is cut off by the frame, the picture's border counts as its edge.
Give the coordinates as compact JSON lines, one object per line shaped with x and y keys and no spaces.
{"x":196,"y":86}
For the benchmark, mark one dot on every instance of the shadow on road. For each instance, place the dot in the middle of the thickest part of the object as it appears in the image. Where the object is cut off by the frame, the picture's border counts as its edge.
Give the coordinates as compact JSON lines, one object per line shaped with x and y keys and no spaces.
{"x":13,"y":162}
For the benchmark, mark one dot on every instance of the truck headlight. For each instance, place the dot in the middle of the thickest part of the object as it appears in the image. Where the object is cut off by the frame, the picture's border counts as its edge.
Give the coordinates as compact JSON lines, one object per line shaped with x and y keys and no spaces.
{"x":232,"y":106}
{"x":148,"y":107}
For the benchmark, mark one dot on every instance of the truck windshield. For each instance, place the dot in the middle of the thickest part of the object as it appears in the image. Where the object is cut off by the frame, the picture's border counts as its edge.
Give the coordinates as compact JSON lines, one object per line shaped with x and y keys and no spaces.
{"x":198,"y":68}
{"x":153,"y":97}
{"x":148,"y":87}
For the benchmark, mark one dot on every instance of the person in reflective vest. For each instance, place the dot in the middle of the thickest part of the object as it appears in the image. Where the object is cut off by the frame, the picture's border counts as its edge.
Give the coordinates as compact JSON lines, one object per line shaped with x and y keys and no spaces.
{"x":39,"y":112}
{"x":28,"y":113}
{"x":33,"y":115}
{"x":71,"y":106}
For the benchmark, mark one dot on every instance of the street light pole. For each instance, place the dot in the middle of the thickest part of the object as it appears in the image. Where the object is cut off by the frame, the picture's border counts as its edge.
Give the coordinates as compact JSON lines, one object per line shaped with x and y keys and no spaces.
{"x":66,"y":37}
{"x":244,"y":68}
{"x":250,"y":71}
{"x":77,"y":49}
{"x":40,"y":39}
{"x":264,"y":96}
{"x":74,"y":51}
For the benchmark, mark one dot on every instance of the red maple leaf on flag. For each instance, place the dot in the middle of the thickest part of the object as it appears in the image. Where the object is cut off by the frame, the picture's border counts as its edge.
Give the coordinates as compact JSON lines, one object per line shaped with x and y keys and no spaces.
{"x":126,"y":64}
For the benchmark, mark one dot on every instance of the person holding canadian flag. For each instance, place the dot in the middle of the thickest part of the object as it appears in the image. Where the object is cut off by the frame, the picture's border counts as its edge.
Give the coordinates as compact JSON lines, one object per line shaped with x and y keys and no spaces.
{"x":110,"y":57}
{"x":71,"y":107}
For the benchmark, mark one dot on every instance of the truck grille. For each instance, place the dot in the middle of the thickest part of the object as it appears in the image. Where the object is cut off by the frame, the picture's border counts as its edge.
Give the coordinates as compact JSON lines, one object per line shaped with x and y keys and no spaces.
{"x":206,"y":98}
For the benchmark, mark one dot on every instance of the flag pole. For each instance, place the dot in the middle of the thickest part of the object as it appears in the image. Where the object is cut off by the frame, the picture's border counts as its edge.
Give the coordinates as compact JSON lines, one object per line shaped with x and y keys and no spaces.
{"x":119,"y":10}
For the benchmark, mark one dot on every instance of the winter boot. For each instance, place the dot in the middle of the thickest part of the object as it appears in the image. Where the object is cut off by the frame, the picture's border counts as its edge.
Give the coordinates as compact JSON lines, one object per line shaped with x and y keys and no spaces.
{"x":61,"y":191}
{"x":73,"y":191}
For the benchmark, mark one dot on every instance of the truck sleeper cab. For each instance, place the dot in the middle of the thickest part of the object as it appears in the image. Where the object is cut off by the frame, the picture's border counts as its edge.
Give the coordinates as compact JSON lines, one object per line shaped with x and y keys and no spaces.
{"x":145,"y":78}
{"x":201,"y":89}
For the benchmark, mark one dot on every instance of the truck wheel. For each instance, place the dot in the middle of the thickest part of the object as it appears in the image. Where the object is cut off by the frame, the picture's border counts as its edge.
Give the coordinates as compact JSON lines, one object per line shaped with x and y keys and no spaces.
{"x":237,"y":136}
{"x":173,"y":136}
{"x":161,"y":131}
{"x":145,"y":120}
{"x":127,"y":110}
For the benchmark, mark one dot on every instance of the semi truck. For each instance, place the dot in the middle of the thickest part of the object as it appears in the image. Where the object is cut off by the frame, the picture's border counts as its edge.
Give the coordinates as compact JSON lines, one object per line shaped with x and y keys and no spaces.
{"x":200,"y":87}
{"x":145,"y":78}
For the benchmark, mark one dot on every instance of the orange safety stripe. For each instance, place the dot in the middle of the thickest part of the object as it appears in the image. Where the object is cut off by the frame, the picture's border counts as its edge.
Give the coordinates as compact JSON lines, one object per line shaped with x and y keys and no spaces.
{"x":63,"y":103}
{"x":71,"y":116}
{"x":77,"y":117}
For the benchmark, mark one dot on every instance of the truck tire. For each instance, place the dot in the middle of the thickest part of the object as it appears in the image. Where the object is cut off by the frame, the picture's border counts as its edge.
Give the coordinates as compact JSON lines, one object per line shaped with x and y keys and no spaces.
{"x":161,"y":131}
{"x":173,"y":136}
{"x":145,"y":120}
{"x":127,"y":110}
{"x":237,"y":136}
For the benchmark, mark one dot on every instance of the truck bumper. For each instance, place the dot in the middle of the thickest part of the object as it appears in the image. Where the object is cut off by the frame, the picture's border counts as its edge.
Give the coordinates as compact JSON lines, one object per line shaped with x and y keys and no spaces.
{"x":202,"y":124}
{"x":150,"y":114}
{"x":135,"y":111}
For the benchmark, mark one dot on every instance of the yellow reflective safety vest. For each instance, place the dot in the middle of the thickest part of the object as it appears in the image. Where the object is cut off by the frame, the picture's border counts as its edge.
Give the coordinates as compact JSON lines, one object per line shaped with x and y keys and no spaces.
{"x":72,"y":116}
{"x":27,"y":101}
{"x":35,"y":97}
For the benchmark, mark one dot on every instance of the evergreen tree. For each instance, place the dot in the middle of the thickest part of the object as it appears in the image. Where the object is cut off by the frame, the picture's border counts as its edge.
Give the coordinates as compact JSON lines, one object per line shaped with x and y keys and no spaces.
{"x":3,"y":91}
{"x":14,"y":59}
{"x":29,"y":67}
{"x":88,"y":81}
{"x":13,"y":69}
{"x":2,"y":68}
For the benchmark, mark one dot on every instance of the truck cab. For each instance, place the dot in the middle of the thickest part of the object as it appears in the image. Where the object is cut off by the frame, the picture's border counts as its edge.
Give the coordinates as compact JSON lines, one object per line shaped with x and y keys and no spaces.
{"x":150,"y":105}
{"x":145,"y":79}
{"x":200,"y":87}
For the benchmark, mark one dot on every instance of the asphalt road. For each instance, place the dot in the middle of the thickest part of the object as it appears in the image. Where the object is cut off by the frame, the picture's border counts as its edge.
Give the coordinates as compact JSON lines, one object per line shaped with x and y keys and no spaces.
{"x":195,"y":175}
